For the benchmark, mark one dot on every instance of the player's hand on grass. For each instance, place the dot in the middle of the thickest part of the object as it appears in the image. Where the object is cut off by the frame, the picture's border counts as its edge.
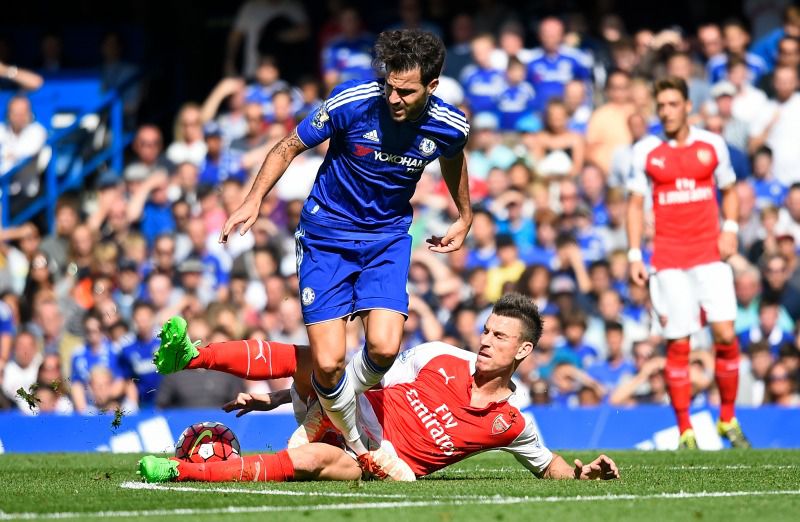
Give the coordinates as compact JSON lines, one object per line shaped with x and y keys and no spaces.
{"x":728,"y":244}
{"x":601,"y":468}
{"x":452,"y":240}
{"x":245,"y":215}
{"x":638,"y":273}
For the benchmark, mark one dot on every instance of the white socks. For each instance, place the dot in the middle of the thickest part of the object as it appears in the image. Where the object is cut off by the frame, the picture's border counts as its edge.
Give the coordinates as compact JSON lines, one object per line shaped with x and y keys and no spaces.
{"x":340,"y":406}
{"x":363,"y":372}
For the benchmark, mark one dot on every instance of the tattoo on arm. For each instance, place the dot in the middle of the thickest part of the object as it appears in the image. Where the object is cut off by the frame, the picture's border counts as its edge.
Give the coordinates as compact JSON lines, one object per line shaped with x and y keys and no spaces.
{"x":288,"y":147}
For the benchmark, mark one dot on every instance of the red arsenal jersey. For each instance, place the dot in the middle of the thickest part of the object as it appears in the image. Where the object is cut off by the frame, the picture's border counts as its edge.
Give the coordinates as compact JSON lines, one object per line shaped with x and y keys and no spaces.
{"x":424,"y":411}
{"x":684,"y":182}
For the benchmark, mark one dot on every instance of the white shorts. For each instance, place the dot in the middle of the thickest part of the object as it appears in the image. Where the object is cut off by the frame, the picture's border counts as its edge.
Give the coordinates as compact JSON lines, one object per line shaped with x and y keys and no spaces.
{"x":678,"y":295}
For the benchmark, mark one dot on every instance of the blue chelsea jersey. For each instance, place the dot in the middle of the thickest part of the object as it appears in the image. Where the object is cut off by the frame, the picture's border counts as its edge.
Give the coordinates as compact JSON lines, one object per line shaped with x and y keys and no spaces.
{"x":373,"y":163}
{"x":550,"y":73}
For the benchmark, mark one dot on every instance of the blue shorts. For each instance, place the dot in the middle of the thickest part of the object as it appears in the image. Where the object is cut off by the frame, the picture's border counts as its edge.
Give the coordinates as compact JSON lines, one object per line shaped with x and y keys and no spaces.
{"x":339,"y":277}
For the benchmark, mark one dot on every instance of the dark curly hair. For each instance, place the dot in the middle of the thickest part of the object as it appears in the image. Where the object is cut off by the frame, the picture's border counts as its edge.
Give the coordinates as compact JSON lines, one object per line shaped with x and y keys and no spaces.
{"x":408,"y":49}
{"x":520,"y":307}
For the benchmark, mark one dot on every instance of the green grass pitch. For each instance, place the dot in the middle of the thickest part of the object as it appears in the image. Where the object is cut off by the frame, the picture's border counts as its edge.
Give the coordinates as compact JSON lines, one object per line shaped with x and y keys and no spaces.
{"x":696,"y":486}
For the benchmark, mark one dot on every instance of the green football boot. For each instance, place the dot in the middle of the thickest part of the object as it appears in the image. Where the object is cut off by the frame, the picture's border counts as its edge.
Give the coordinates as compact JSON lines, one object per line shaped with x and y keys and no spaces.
{"x":687,"y":441}
{"x":157,"y":469}
{"x":733,"y":432}
{"x":176,"y":349}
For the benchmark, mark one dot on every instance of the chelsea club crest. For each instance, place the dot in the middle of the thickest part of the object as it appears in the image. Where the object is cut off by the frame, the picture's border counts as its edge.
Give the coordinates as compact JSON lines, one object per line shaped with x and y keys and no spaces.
{"x":427,"y":147}
{"x":307,"y":296}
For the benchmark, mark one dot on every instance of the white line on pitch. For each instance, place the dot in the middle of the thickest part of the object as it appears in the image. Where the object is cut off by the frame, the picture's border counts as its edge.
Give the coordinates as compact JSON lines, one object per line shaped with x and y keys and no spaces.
{"x":632,"y":467}
{"x":289,"y":493}
{"x":229,"y":510}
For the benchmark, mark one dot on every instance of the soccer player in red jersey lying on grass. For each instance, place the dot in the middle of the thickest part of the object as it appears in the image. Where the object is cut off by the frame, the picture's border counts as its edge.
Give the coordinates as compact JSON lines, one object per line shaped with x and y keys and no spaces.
{"x":437,"y":405}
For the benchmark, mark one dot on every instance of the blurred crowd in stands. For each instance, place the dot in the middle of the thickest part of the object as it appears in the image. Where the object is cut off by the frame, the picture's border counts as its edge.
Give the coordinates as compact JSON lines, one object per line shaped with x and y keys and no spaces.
{"x":552,"y":126}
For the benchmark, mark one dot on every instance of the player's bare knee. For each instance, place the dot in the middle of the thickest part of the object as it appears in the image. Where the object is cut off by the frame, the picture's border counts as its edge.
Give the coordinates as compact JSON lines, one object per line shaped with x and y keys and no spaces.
{"x":382,"y":348}
{"x":723,"y":333}
{"x":328,"y":371}
{"x":383,"y":355}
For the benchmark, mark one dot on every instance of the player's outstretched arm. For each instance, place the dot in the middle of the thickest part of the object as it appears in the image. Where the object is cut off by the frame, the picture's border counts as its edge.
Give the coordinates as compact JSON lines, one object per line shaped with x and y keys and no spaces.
{"x":635,"y":227}
{"x":247,"y":402}
{"x":275,"y":164}
{"x":601,"y":468}
{"x":454,"y":172}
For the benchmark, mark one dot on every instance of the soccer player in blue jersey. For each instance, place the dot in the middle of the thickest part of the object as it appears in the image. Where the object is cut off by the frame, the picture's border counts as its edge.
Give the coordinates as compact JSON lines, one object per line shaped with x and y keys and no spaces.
{"x":353,"y":246}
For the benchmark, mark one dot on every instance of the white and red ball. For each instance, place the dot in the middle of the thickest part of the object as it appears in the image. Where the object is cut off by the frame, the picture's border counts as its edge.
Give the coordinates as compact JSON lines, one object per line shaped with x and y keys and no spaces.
{"x":207,"y":442}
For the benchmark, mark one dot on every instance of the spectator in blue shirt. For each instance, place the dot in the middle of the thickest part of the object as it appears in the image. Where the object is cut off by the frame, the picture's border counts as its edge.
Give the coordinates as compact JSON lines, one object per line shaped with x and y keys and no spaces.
{"x":768,"y":190}
{"x":216,"y":274}
{"x":483,"y":85}
{"x":574,"y":331}
{"x":514,"y":220}
{"x":518,"y":100}
{"x":129,"y":287}
{"x":736,"y":39}
{"x":768,"y":328}
{"x":543,"y":251}
{"x":349,"y":56}
{"x":554,"y":64}
{"x":98,"y":351}
{"x":616,"y":366}
{"x":483,"y":247}
{"x":766,"y":47}
{"x":220,"y":162}
{"x":136,"y":357}
{"x":593,"y":192}
{"x":150,"y":206}
{"x":268,"y":82}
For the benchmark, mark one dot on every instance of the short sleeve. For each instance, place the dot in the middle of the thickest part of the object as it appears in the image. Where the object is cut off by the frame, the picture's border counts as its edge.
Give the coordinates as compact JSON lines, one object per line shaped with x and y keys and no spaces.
{"x":335,"y":113}
{"x":316,"y":127}
{"x":455,"y":147}
{"x":724,"y":174}
{"x":529,"y":450}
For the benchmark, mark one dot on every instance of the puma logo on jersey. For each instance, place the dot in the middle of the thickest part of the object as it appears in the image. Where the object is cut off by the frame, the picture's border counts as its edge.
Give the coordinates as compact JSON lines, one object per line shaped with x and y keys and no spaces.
{"x":372,"y":136}
{"x":260,"y":351}
{"x":447,"y":378}
{"x":657,"y":162}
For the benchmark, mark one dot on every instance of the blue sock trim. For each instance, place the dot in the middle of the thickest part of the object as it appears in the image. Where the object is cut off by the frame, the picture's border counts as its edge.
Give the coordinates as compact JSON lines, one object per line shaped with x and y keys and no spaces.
{"x":372,"y":365}
{"x":329,"y":393}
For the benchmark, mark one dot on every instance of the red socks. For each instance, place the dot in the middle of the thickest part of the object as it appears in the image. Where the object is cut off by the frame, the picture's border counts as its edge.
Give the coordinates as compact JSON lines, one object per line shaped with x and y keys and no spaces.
{"x":252,"y":359}
{"x":678,"y":383}
{"x":727,"y":376}
{"x":253,"y":468}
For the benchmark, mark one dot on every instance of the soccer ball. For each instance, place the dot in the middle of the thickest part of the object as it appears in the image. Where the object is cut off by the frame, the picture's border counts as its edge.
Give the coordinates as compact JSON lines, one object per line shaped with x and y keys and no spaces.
{"x":207,"y":442}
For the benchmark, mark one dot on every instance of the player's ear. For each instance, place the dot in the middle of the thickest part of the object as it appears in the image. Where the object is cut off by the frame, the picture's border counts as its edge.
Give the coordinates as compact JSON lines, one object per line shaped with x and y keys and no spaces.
{"x":524,"y":350}
{"x":688,"y":107}
{"x":432,"y":86}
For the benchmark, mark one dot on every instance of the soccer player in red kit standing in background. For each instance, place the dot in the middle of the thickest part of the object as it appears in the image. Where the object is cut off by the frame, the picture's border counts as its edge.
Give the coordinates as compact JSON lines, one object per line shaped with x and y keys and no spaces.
{"x":683,"y":169}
